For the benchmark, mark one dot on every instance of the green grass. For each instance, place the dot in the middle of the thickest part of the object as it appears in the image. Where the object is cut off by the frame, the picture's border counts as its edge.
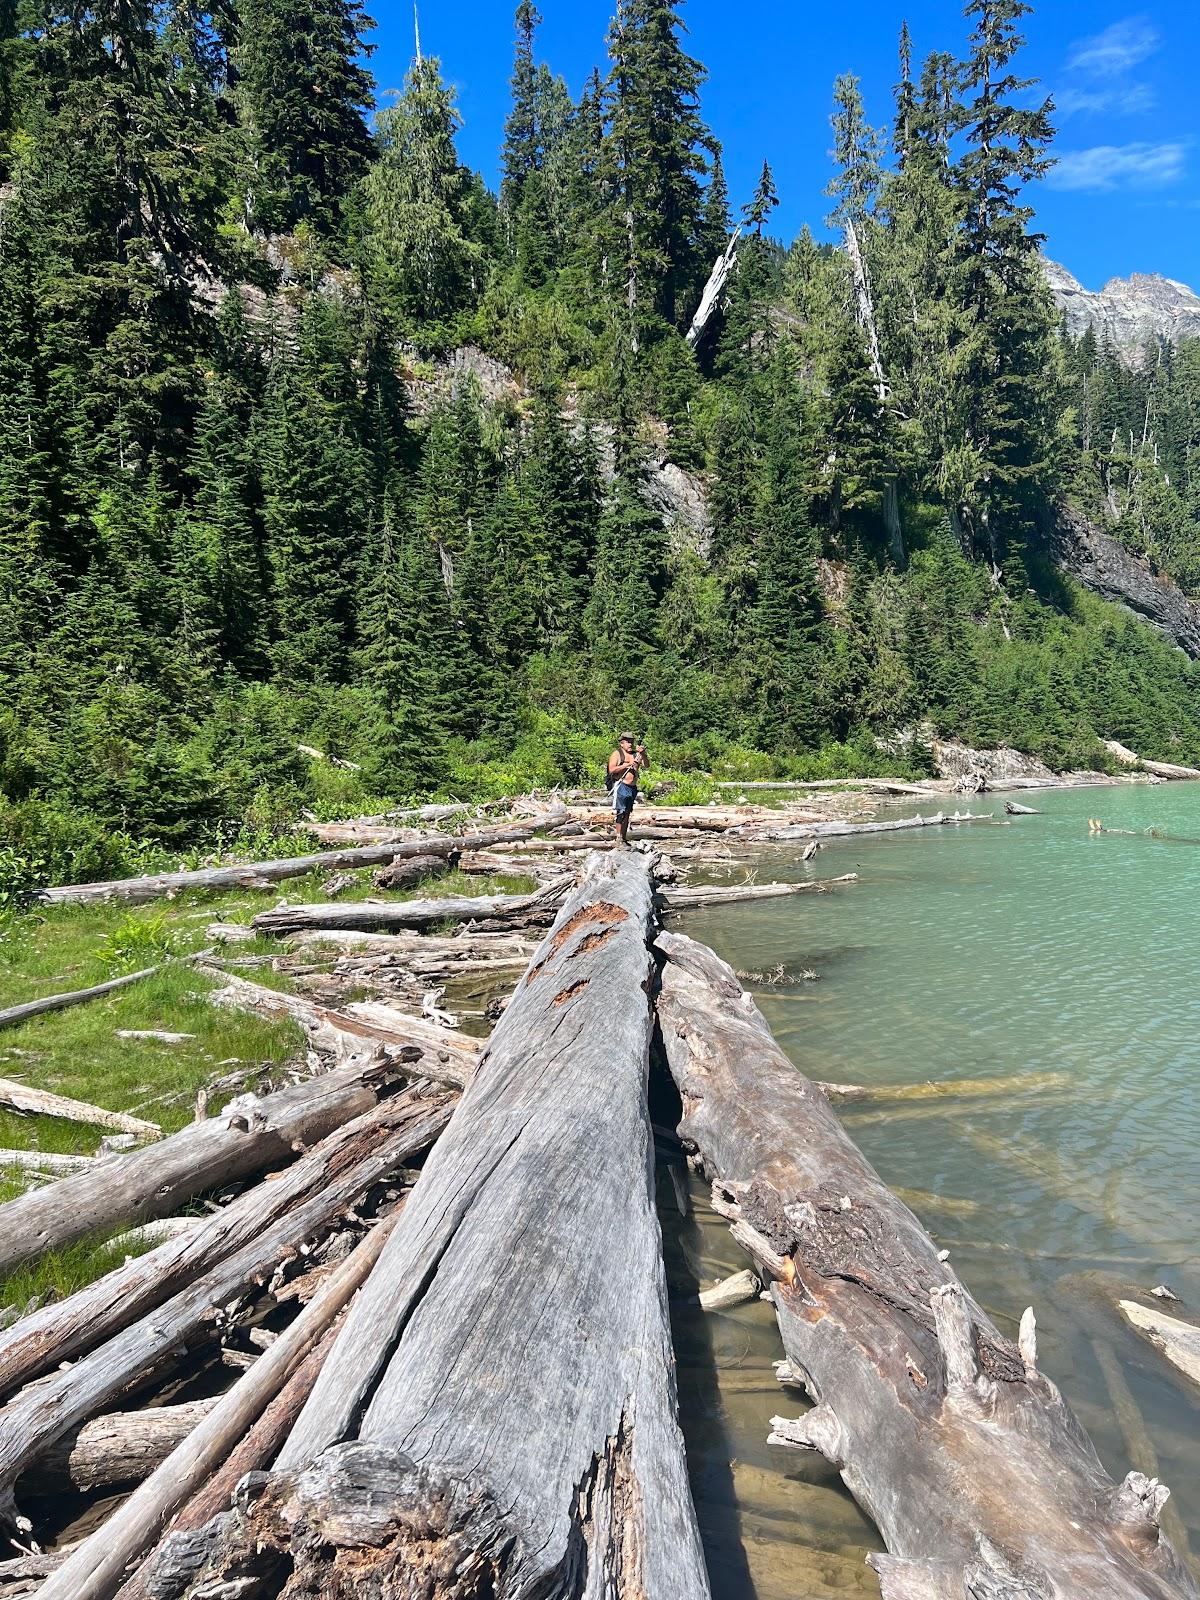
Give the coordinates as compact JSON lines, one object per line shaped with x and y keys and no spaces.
{"x":60,"y":1273}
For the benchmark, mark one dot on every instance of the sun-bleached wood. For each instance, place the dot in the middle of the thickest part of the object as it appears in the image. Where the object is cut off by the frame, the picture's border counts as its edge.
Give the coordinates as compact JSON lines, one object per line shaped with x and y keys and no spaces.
{"x":381,"y":915}
{"x":373,"y":855}
{"x":37,"y":1416}
{"x":40,"y":1103}
{"x":498,"y":1415}
{"x":966,"y":1456}
{"x":253,"y":1133}
{"x":94,"y":1571}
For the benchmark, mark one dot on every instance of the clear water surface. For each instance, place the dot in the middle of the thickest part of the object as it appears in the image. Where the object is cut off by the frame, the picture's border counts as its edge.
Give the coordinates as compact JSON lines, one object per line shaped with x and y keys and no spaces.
{"x":1035,"y":952}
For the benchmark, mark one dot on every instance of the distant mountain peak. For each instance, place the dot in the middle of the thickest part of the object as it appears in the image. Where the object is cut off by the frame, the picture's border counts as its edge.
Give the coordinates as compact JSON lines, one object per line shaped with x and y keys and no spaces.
{"x":1143,"y":309}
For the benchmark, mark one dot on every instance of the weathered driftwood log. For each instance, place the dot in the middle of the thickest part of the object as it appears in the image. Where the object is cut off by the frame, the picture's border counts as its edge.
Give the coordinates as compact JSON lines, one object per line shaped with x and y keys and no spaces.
{"x":376,"y":855}
{"x":42,"y":1413}
{"x":249,"y":1136}
{"x":719,"y":895}
{"x":372,"y":915}
{"x":68,"y":1328}
{"x":1013,"y":809}
{"x":407,"y":870}
{"x":415,"y":1045}
{"x":852,"y":830}
{"x":94,"y":1571}
{"x":736,"y":1290}
{"x":47,"y":1162}
{"x":948,"y":1088}
{"x":1179,"y":1341}
{"x":75,"y":997}
{"x":977,"y":1474}
{"x":124,"y":1447}
{"x":39,"y":1103}
{"x":498,"y":1414}
{"x":350,"y":831}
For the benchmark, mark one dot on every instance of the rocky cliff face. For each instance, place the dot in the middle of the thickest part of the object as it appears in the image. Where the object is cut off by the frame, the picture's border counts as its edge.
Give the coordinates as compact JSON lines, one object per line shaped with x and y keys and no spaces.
{"x":1103,"y":565}
{"x":1131,"y":312}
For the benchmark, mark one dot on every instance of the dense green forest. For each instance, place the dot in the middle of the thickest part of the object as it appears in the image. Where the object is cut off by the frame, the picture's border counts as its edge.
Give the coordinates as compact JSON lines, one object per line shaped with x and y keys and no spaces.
{"x":253,"y":496}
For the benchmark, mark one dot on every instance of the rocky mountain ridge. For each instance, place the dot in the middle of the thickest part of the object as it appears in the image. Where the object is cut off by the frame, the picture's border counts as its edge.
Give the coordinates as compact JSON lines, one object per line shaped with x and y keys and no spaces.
{"x":1132,"y":313}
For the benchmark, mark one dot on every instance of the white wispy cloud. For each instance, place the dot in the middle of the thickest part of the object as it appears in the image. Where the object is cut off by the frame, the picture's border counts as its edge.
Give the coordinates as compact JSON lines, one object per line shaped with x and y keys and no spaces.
{"x":1117,"y":50}
{"x":1120,"y":166}
{"x":1128,"y":99}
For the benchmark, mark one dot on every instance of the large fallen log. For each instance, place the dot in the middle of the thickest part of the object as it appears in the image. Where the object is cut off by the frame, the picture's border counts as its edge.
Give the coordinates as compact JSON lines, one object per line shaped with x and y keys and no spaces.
{"x":250,"y":1135}
{"x":979,"y":1478}
{"x":520,"y":910}
{"x":94,"y":1570}
{"x":69,"y":1328}
{"x":498,"y":1415}
{"x":42,"y":1413}
{"x":375,"y":855}
{"x":853,"y":830}
{"x":719,"y":895}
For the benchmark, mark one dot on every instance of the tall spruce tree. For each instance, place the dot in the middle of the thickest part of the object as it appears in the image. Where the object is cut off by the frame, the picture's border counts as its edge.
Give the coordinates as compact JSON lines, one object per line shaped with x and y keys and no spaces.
{"x":304,"y":93}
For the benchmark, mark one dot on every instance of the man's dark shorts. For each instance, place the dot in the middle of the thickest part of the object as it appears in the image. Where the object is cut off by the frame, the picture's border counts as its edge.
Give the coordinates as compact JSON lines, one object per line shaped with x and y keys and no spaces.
{"x":623,"y":797}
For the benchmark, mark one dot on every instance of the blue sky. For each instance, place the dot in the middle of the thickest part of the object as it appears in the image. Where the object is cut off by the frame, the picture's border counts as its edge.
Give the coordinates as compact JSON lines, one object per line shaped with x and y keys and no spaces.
{"x":1125,"y":197}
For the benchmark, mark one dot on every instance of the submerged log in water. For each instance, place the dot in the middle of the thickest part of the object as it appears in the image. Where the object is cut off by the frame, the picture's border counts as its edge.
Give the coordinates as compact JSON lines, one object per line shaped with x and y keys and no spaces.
{"x":498,"y":1415}
{"x":978,"y":1476}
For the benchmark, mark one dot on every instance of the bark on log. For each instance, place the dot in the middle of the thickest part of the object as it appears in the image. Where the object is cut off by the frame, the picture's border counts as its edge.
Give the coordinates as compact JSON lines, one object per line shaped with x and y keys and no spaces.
{"x":690,"y":899}
{"x":94,"y":1571}
{"x":498,"y":1415}
{"x":42,"y":1413}
{"x":375,"y":855}
{"x":968,"y":1459}
{"x":249,"y":1136}
{"x":69,"y":1328}
{"x":402,"y":874}
{"x":124,"y":1447}
{"x":40,"y":1103}
{"x":371,"y":916}
{"x":75,"y":997}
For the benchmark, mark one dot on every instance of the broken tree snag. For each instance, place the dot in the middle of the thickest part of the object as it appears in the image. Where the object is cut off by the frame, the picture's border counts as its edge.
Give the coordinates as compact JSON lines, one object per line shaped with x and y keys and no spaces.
{"x":967,"y":1457}
{"x":516,"y":910}
{"x":250,"y":1135}
{"x":498,"y":1415}
{"x":375,"y":855}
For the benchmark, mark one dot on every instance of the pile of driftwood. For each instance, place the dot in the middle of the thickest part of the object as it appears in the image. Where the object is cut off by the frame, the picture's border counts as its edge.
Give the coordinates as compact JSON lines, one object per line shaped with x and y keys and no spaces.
{"x":435,"y":1271}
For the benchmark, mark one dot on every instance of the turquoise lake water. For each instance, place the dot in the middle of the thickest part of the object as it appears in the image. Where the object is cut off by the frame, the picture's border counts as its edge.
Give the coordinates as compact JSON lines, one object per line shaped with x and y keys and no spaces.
{"x":1034,"y":952}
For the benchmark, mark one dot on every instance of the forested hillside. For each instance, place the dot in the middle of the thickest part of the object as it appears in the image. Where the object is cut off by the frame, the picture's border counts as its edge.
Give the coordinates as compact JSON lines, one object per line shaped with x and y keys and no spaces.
{"x":248,"y":502}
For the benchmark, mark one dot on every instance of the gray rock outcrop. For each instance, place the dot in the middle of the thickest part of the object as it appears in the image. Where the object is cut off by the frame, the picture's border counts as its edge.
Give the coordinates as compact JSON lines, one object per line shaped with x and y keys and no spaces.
{"x":1104,"y":566}
{"x":1130,"y":313}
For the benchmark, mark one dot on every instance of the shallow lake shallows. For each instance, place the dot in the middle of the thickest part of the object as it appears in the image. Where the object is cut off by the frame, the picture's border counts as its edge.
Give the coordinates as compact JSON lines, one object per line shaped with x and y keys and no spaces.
{"x":1034,"y":952}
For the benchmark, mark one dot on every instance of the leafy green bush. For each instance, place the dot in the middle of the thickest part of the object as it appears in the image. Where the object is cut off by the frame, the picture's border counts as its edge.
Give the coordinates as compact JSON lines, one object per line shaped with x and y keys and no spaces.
{"x":44,"y":844}
{"x":137,"y":942}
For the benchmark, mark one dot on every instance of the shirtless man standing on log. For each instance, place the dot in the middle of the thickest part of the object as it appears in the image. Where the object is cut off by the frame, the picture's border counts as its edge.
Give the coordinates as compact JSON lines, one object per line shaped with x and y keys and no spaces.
{"x":626,"y":761}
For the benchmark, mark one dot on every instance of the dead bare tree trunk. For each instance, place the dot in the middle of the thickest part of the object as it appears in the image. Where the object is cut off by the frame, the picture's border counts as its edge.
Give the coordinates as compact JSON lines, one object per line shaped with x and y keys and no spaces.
{"x":975,"y":1471}
{"x":865,"y":303}
{"x":498,"y":1416}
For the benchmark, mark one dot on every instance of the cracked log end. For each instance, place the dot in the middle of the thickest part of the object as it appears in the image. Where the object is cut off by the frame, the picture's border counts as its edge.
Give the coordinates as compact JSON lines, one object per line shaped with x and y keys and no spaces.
{"x":363,"y":1523}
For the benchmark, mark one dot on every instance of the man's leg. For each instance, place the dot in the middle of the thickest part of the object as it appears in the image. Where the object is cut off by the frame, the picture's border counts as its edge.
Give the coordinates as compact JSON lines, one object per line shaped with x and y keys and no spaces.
{"x":623,"y":825}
